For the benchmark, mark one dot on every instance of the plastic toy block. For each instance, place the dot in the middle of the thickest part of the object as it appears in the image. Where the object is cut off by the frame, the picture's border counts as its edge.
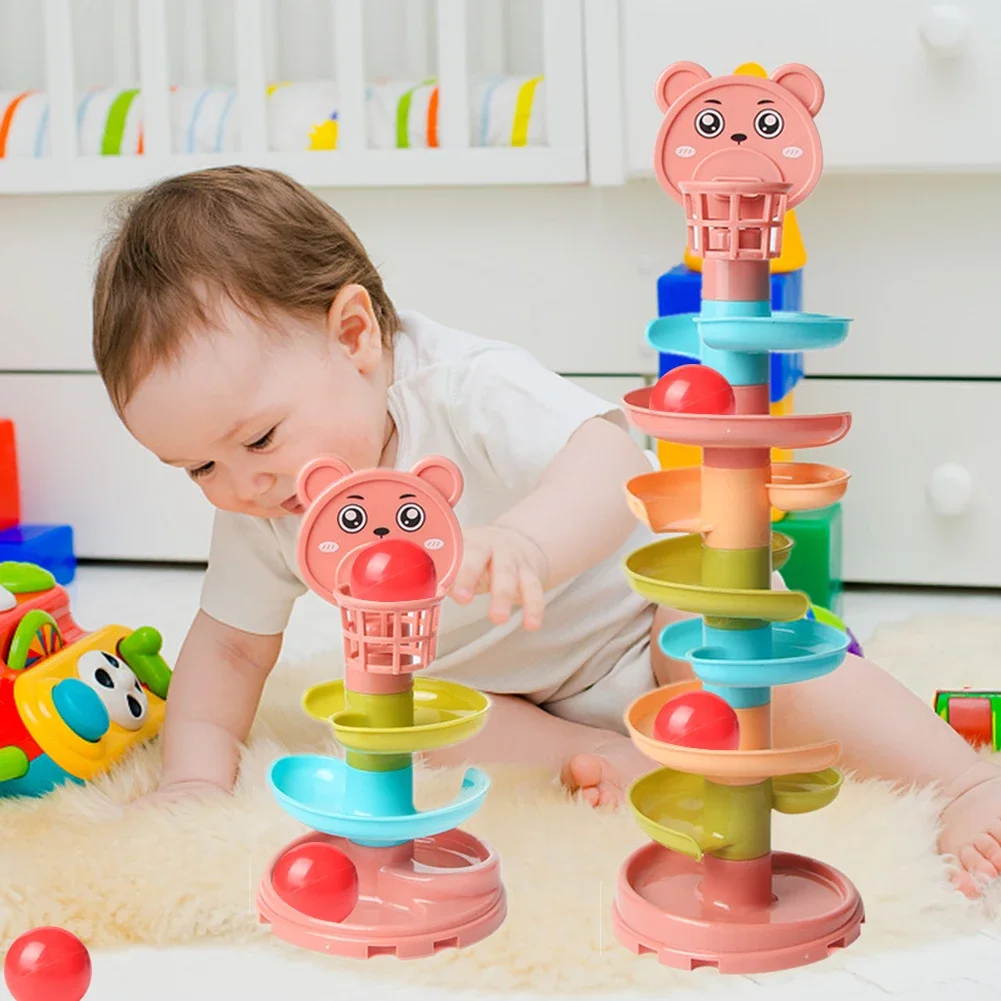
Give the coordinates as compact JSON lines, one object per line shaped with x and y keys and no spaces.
{"x":10,"y":492}
{"x":814,"y":565}
{"x":680,"y":291}
{"x":48,"y":546}
{"x":972,"y":714}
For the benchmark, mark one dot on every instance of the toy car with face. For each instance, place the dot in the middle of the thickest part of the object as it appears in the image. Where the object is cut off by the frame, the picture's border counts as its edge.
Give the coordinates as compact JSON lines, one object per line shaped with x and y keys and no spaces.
{"x":71,"y":703}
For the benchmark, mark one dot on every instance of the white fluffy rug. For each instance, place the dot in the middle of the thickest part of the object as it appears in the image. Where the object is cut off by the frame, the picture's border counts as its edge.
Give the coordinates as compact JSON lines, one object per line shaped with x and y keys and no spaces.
{"x":116,"y":872}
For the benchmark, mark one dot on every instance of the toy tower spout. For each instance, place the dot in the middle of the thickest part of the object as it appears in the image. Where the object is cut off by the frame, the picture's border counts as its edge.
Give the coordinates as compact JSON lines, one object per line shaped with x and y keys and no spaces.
{"x":738,"y":152}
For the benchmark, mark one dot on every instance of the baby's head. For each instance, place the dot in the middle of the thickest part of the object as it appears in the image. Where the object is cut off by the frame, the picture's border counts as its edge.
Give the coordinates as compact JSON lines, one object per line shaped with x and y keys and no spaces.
{"x":241,"y":331}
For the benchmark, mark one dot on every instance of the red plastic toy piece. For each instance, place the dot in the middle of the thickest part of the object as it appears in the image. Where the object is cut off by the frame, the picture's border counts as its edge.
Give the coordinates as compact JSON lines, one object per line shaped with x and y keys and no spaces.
{"x":10,"y":492}
{"x":47,"y":964}
{"x":698,"y":719}
{"x":393,"y":571}
{"x":317,"y":879}
{"x":972,"y":719}
{"x":693,"y":389}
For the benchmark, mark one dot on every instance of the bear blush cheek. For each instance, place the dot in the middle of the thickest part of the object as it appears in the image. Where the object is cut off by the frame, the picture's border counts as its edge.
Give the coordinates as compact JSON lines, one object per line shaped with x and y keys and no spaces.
{"x":792,"y":152}
{"x":685,"y":152}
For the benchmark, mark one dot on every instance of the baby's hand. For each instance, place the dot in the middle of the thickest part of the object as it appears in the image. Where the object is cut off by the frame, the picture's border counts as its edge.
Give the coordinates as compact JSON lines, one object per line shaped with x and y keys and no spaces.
{"x":507,"y":565}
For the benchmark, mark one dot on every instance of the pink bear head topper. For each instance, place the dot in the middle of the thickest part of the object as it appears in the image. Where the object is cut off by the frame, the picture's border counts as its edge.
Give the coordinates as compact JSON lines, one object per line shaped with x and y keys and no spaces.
{"x":347,"y":510}
{"x":744,"y":126}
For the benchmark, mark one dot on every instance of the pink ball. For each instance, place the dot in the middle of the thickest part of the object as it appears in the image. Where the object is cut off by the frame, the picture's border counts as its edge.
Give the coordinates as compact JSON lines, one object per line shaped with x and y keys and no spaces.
{"x":698,"y":719}
{"x":693,"y":389}
{"x":393,"y":571}
{"x":47,"y":964}
{"x":317,"y":879}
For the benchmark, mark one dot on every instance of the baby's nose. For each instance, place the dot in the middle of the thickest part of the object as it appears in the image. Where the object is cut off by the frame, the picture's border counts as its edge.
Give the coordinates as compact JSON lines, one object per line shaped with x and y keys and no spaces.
{"x":381,"y":531}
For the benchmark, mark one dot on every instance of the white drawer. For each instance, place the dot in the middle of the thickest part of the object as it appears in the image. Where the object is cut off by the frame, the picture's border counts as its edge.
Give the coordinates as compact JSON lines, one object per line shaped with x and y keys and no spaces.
{"x":79,"y":466}
{"x":893,"y":99}
{"x":902,"y":433}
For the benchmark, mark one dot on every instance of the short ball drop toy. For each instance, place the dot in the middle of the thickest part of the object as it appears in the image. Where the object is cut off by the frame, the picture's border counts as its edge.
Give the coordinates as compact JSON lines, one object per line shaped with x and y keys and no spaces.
{"x":693,"y":389}
{"x":317,"y":879}
{"x":393,"y":571}
{"x":698,"y":719}
{"x":47,"y":964}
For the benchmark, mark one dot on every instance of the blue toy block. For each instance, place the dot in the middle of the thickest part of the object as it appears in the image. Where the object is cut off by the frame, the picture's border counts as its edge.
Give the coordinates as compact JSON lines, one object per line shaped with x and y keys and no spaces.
{"x":680,"y":291}
{"x":50,"y":546}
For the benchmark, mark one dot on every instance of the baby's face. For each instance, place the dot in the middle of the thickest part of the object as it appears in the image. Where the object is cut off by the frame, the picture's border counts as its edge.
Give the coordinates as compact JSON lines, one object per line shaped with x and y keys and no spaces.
{"x":243,"y":410}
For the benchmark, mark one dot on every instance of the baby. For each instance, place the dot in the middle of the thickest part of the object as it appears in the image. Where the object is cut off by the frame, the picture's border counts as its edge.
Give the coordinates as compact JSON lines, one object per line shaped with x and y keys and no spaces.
{"x":241,"y":330}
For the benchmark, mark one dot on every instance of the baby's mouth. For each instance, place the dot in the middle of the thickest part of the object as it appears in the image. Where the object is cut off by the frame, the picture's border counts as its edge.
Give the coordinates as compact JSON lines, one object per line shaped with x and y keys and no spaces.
{"x":293,"y":505}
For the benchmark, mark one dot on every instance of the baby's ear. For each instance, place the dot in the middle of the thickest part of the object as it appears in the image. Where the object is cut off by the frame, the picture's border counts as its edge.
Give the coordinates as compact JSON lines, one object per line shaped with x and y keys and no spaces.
{"x":443,"y":475}
{"x":675,"y":80}
{"x":317,"y":475}
{"x":804,"y":83}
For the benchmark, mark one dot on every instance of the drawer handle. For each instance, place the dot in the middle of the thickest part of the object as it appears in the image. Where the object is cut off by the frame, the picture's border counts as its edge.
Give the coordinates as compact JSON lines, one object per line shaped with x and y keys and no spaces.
{"x":949,"y":489}
{"x":945,"y":29}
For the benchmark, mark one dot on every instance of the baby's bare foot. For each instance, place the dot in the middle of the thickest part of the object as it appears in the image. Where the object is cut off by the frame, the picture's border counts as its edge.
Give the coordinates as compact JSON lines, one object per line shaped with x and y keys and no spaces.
{"x":971,"y":827}
{"x":602,"y":776}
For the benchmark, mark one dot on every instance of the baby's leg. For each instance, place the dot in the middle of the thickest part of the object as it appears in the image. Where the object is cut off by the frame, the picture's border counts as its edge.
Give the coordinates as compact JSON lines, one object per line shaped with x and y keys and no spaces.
{"x":589,"y":760}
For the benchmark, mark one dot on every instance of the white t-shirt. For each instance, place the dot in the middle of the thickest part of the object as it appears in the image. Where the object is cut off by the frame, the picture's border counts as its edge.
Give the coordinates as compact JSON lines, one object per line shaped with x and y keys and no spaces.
{"x":502,"y":417}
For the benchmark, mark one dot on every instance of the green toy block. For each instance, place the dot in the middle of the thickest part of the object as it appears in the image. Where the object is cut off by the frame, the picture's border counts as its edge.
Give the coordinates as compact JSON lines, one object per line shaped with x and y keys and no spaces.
{"x":814,"y":565}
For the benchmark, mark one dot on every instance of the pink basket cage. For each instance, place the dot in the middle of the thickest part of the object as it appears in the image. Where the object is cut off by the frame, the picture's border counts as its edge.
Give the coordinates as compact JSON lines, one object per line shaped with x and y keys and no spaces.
{"x":735,"y":219}
{"x":389,"y":638}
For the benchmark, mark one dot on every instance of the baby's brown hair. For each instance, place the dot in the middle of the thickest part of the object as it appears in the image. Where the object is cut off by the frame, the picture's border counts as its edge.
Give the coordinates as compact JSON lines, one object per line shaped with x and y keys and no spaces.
{"x":254,"y":236}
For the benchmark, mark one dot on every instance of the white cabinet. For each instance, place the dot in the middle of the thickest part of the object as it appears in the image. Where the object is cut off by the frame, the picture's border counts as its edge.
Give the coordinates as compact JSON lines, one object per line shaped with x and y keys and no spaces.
{"x":911,"y":84}
{"x":79,"y":466}
{"x":922,"y":506}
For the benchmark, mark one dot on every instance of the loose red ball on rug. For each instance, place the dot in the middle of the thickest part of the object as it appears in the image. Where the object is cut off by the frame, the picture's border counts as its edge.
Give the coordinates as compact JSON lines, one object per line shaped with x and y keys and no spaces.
{"x":698,"y":719}
{"x":693,"y":389}
{"x":393,"y":570}
{"x":317,"y":879}
{"x":47,"y":964}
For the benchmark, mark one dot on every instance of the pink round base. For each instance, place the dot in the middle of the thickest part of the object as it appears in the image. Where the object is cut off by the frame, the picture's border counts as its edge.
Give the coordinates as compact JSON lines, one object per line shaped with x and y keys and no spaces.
{"x":414,"y":899}
{"x":660,"y":908}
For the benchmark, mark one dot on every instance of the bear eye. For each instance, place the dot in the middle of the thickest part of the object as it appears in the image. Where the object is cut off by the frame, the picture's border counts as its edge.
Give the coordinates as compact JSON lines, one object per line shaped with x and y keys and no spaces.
{"x":768,"y":123}
{"x":352,"y":519}
{"x":709,"y":123}
{"x":410,"y":517}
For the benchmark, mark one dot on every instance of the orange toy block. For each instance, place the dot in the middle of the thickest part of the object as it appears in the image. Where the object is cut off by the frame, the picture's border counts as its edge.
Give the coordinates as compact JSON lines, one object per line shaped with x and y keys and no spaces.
{"x":10,"y":493}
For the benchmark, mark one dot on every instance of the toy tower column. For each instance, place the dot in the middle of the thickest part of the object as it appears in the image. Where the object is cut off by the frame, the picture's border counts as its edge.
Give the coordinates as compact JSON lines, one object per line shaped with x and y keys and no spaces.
{"x":737,"y":152}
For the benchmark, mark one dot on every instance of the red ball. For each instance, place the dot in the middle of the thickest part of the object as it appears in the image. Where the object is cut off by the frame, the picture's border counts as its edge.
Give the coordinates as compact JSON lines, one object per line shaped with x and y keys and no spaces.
{"x":698,"y":719}
{"x":693,"y":389}
{"x":317,"y":879}
{"x":393,"y":571}
{"x":47,"y":964}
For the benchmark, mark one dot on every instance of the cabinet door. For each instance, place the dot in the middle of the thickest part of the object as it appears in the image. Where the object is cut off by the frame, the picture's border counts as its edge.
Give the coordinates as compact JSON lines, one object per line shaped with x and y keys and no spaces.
{"x":922,"y":504}
{"x":79,"y":466}
{"x":910,"y":84}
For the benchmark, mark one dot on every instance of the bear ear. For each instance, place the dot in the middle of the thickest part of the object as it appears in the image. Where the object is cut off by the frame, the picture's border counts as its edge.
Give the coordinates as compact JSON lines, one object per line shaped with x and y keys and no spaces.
{"x":804,"y":83}
{"x":675,"y":80}
{"x":317,"y":475}
{"x":443,"y":475}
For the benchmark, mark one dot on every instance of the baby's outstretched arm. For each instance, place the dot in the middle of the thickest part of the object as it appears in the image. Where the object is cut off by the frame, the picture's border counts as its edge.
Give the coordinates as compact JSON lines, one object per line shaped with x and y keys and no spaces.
{"x":576,"y":517}
{"x":214,"y":693}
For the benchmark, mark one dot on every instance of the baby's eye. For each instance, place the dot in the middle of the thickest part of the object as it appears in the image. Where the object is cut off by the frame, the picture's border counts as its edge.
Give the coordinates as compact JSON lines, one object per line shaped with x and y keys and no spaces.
{"x":263,"y":441}
{"x":352,"y":518}
{"x":201,"y":471}
{"x":410,"y":517}
{"x":768,"y":123}
{"x":709,"y":123}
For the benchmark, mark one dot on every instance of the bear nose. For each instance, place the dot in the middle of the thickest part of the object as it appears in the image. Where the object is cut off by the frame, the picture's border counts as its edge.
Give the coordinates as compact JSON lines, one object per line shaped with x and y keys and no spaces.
{"x":381,"y":532}
{"x":738,"y":137}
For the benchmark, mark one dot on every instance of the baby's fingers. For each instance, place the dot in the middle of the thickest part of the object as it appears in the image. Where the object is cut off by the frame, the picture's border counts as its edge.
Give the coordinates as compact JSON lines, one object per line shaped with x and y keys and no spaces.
{"x":472,"y":573}
{"x":533,"y":600}
{"x":504,"y":590}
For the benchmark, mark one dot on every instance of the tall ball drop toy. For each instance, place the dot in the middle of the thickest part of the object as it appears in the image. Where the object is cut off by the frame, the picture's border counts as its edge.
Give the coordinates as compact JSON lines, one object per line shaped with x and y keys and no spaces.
{"x":708,"y":890}
{"x":376,"y":875}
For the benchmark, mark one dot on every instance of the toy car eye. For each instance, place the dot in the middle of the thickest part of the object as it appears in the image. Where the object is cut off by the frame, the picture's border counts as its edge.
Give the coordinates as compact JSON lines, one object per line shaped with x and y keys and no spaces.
{"x":709,"y":123}
{"x":117,"y":687}
{"x":352,"y":518}
{"x":410,"y":517}
{"x":768,"y":123}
